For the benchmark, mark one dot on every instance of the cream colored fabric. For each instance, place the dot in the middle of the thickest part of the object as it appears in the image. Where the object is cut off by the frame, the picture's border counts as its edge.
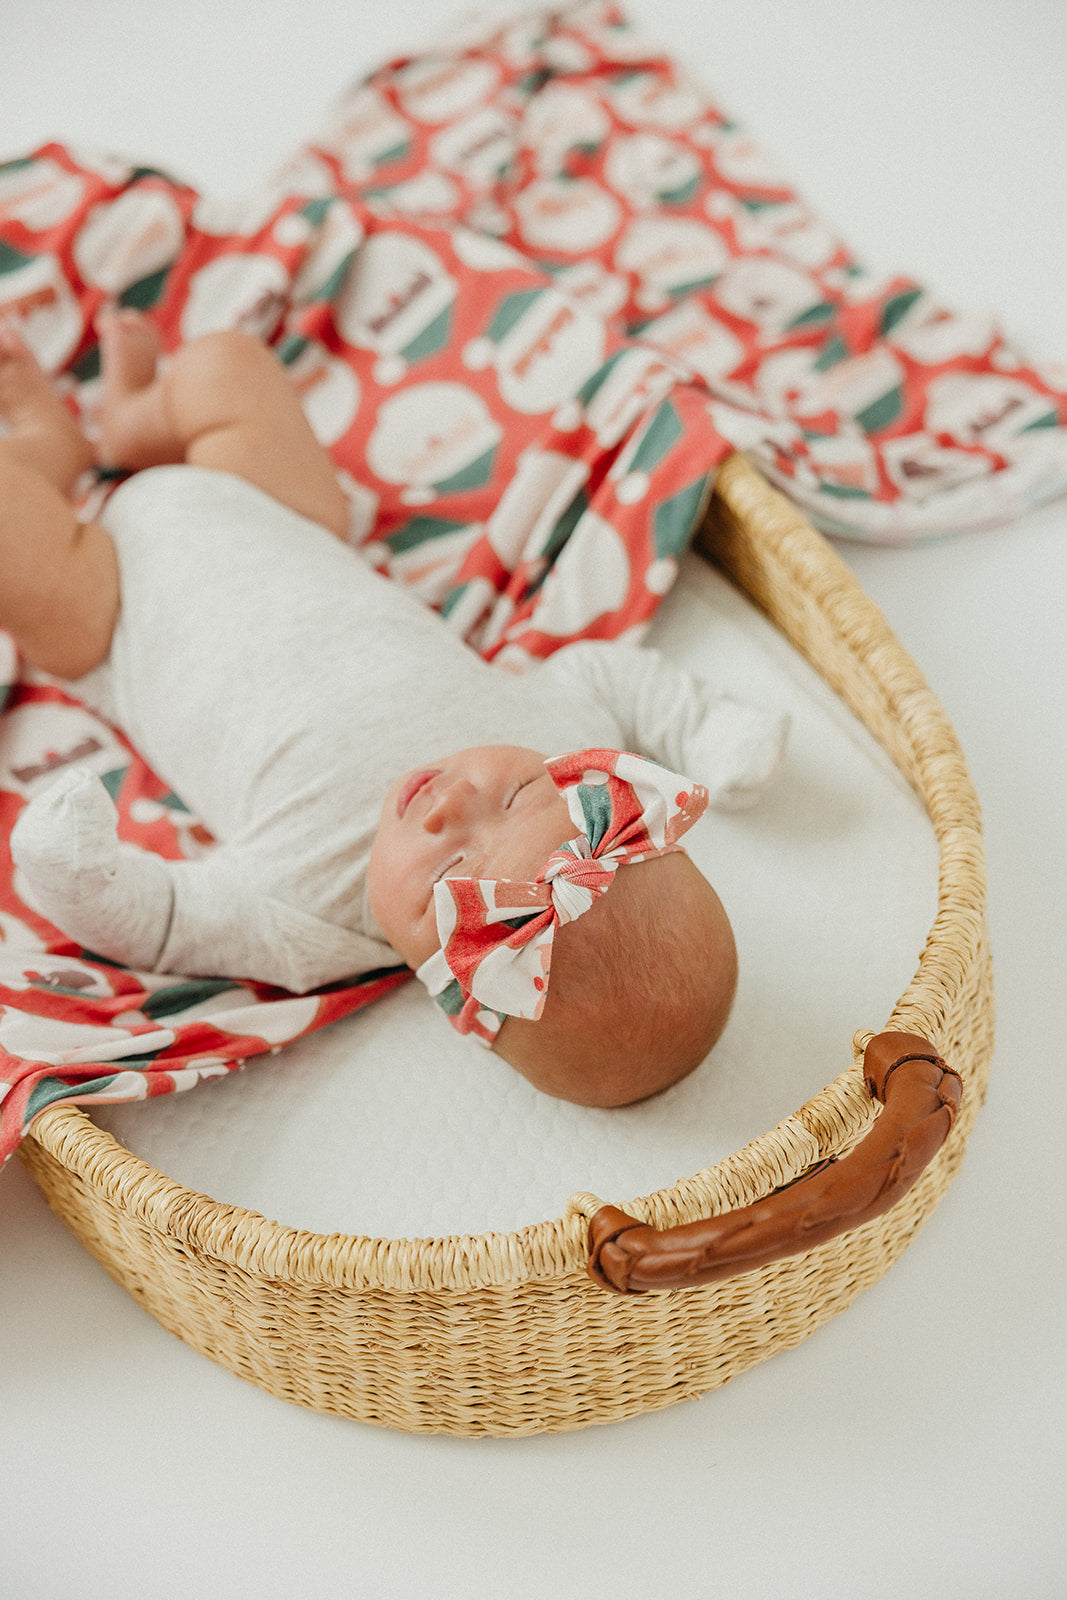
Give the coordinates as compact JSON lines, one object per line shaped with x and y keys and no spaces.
{"x":279,"y":685}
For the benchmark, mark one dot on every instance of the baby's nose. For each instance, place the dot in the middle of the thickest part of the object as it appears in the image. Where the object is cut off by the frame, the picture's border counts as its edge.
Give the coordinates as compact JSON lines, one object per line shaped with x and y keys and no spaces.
{"x":450,"y":804}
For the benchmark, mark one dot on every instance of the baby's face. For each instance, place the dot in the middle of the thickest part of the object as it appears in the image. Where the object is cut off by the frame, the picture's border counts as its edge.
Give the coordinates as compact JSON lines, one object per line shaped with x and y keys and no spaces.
{"x":489,"y":812}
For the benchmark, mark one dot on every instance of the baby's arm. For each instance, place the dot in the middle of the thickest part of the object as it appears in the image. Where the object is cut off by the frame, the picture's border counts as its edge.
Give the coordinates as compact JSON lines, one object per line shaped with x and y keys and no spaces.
{"x":677,"y":718}
{"x":201,"y":918}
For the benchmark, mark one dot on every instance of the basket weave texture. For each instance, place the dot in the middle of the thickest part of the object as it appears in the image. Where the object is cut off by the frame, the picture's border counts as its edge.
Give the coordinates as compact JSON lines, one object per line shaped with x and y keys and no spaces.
{"x":504,"y":1333}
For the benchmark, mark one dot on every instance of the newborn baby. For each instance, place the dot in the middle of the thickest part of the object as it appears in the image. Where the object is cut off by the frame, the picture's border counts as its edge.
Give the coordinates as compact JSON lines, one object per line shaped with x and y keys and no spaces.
{"x":281,"y":687}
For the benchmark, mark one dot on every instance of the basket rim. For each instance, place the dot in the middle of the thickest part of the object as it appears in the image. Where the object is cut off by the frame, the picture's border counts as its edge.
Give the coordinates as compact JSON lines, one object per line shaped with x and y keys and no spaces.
{"x":825,"y":1125}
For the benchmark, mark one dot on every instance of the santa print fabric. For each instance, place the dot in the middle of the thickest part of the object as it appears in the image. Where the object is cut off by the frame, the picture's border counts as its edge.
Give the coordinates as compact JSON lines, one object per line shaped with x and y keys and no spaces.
{"x":532,"y":287}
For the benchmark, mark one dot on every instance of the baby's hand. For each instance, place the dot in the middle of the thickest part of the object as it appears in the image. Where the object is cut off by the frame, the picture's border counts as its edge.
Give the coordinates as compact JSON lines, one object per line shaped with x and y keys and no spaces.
{"x":72,"y":868}
{"x":737,"y":752}
{"x":68,"y":830}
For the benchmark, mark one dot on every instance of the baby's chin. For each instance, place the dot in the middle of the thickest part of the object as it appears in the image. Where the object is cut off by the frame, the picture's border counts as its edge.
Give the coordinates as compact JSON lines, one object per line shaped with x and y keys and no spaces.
{"x":388,"y":817}
{"x":388,"y":806}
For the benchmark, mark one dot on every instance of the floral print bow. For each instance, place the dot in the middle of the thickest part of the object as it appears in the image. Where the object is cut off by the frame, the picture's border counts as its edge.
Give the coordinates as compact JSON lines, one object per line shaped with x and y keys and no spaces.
{"x":496,"y":933}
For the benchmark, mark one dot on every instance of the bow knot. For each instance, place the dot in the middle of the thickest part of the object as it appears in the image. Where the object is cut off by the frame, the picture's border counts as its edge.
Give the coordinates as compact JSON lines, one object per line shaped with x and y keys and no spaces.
{"x":576,"y":878}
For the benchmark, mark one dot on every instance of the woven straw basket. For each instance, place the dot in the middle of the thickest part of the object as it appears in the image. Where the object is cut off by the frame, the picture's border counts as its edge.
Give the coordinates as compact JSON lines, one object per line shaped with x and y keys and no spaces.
{"x":507,"y":1333}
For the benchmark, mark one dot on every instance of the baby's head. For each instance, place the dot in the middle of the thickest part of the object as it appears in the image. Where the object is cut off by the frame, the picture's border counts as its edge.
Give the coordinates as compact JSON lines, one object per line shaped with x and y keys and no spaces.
{"x":641,"y":982}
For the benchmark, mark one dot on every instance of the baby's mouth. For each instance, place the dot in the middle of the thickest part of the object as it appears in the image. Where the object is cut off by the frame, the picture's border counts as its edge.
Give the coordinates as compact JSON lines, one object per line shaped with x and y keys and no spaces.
{"x":411,"y":786}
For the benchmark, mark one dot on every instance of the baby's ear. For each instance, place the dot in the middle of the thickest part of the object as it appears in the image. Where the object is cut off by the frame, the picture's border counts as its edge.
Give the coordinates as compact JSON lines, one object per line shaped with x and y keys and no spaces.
{"x":737,"y":752}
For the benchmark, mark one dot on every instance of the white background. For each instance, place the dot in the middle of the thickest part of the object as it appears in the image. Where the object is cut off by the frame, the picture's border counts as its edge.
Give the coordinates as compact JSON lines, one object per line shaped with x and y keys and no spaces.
{"x":915,"y":1445}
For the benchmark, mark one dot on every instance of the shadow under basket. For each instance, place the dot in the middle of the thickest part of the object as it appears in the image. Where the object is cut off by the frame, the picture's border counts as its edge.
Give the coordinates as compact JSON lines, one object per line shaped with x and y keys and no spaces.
{"x":520,"y":1333}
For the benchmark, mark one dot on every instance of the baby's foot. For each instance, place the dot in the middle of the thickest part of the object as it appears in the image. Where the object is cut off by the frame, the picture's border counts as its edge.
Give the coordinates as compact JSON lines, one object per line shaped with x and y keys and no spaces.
{"x":39,"y":430}
{"x":134,"y":430}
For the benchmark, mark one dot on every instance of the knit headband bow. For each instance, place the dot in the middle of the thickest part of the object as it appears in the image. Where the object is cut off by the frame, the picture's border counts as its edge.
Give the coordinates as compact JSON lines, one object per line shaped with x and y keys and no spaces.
{"x":496,"y":933}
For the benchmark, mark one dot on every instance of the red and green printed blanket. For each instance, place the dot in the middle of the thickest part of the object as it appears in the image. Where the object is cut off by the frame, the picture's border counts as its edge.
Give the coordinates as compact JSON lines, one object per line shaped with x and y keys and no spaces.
{"x":534,"y":244}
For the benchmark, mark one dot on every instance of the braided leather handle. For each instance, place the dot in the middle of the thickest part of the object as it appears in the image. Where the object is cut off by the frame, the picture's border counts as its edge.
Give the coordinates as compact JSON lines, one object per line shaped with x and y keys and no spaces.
{"x":920,"y":1096}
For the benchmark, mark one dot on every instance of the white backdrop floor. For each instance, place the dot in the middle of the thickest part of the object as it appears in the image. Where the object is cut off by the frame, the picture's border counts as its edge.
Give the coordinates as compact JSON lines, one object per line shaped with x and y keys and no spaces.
{"x":914,"y":1444}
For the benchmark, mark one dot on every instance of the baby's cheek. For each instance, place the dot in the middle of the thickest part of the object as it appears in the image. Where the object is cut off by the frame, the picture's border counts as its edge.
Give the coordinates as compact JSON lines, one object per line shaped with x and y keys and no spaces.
{"x":381,"y":880}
